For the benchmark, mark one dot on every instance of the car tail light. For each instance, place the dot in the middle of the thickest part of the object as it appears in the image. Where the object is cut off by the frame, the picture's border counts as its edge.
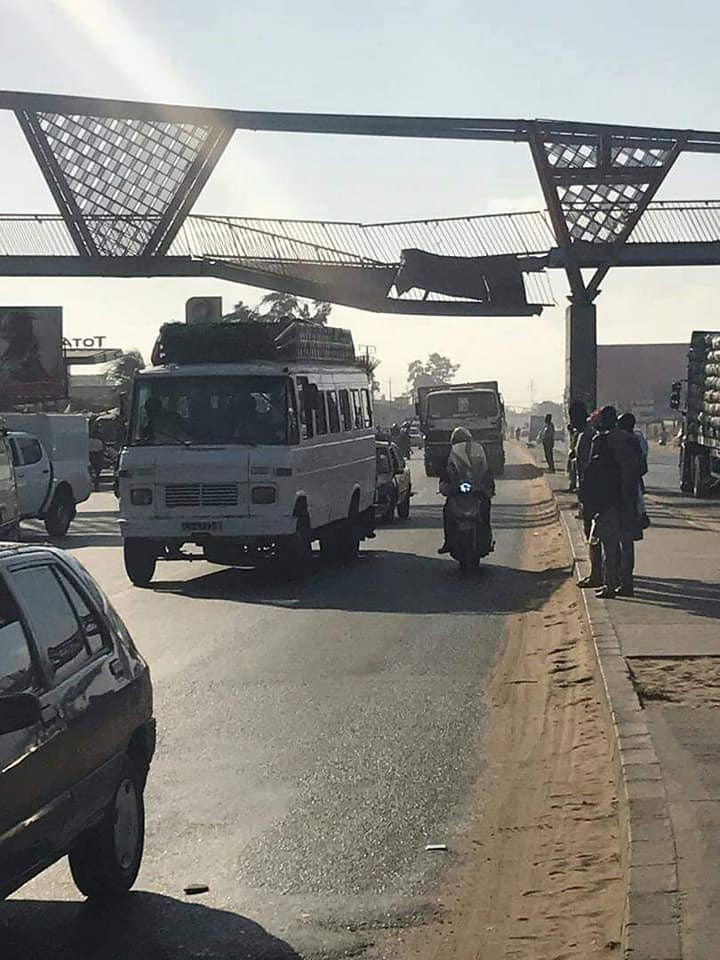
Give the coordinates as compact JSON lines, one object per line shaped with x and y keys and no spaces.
{"x":141,"y":497}
{"x":263,"y":495}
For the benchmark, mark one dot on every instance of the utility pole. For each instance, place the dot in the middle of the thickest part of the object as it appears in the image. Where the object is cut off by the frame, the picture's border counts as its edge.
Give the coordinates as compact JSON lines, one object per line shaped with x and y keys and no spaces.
{"x":367,"y":350}
{"x":390,"y":389}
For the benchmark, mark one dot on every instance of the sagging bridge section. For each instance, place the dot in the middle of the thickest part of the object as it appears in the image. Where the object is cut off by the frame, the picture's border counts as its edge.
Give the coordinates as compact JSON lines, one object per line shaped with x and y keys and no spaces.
{"x":125,"y":177}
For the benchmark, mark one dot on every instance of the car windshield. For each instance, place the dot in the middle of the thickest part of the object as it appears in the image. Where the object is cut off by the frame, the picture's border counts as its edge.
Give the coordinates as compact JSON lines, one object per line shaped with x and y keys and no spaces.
{"x":210,"y":409}
{"x":478,"y":403}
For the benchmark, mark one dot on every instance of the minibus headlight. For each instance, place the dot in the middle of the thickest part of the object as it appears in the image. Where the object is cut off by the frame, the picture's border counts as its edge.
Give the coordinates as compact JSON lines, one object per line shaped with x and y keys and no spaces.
{"x":141,"y":497}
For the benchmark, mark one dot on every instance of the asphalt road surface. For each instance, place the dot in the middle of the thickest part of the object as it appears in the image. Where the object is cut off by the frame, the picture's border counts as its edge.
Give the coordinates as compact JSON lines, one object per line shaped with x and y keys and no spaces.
{"x":312,"y":739}
{"x":663,"y":476}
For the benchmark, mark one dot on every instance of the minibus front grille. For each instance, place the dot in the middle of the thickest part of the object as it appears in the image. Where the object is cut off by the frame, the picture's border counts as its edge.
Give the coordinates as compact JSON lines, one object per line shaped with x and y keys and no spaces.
{"x":201,"y":495}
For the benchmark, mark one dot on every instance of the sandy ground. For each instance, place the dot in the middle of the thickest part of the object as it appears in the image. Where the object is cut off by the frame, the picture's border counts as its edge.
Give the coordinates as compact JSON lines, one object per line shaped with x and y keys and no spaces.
{"x":537,"y":873}
{"x":693,"y":681}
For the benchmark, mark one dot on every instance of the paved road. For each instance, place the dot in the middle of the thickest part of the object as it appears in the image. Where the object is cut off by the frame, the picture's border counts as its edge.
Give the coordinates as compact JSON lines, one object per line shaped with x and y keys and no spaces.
{"x":663,"y":474}
{"x":312,"y":740}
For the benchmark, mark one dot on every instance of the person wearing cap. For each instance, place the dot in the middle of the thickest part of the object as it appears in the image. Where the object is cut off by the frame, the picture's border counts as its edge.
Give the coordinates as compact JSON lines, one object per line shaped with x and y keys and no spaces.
{"x":466,"y":461}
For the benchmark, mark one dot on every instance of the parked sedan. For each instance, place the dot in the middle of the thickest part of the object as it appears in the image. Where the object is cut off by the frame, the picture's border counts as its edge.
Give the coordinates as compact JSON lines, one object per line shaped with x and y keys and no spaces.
{"x":76,"y":728}
{"x":393,"y":487}
{"x":416,"y":437}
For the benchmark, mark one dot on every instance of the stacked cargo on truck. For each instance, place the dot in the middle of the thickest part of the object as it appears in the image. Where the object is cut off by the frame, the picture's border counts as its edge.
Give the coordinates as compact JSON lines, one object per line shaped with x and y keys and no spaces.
{"x":700,"y":445}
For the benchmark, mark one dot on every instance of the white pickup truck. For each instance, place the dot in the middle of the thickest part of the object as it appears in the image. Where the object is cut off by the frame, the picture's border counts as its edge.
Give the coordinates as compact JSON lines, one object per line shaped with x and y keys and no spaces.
{"x":50,"y":457}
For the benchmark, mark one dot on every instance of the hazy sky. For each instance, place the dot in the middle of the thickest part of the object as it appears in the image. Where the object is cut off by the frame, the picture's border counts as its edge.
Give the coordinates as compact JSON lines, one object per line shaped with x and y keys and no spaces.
{"x":619,"y":61}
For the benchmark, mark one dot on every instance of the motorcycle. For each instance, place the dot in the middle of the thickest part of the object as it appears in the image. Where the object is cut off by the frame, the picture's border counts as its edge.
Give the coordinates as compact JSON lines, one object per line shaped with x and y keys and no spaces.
{"x":470,"y":534}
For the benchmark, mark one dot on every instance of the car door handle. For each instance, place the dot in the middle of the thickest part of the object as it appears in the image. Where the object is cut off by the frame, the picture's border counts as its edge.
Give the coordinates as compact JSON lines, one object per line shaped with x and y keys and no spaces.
{"x":46,"y":471}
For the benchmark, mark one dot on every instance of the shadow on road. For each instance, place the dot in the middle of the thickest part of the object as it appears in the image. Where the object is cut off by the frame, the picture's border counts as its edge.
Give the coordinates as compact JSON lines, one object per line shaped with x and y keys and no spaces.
{"x":383,"y":581}
{"x":141,"y":925}
{"x":521,"y":471}
{"x":685,"y":499}
{"x":504,"y":517}
{"x":697,"y":597}
{"x":509,"y":517}
{"x":91,"y":528}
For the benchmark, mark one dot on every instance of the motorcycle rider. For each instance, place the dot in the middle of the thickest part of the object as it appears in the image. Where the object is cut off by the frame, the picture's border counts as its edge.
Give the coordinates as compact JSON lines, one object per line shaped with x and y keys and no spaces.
{"x":467,"y":462}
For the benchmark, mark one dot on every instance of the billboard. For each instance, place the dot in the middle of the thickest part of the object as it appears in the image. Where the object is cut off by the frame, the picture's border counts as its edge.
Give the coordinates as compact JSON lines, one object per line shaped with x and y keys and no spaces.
{"x":31,"y":356}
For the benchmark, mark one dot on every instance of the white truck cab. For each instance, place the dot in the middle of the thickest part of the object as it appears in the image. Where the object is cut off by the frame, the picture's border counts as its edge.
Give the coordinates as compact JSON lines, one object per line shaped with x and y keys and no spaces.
{"x":248,"y":461}
{"x":50,"y":456}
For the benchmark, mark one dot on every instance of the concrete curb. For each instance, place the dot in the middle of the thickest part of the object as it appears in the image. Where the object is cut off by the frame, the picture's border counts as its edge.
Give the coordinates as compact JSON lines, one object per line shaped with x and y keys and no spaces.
{"x":651,"y":922}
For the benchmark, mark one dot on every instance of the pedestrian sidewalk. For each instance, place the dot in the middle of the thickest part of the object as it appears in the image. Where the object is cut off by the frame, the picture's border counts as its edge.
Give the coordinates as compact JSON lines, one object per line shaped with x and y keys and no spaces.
{"x":669,"y":635}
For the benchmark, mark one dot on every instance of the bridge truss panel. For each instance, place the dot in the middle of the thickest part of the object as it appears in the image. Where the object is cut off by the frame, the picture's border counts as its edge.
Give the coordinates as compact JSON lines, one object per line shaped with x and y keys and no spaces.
{"x":123,"y":186}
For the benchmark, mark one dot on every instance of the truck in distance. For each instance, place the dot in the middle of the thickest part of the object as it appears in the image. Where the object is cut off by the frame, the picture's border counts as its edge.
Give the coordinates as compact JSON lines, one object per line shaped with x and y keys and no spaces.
{"x":477,"y":406}
{"x":700,"y":440}
{"x":249,"y":441}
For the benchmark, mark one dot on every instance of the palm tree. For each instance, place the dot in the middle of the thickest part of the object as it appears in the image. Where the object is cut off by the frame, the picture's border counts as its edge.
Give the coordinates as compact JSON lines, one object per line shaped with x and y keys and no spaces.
{"x":280,"y":306}
{"x":370,"y":364}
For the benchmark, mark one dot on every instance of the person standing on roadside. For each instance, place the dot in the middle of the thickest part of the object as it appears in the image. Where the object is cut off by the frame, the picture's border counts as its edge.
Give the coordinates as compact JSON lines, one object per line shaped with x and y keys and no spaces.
{"x":628,"y":422}
{"x":547,"y":438}
{"x":582,"y":458}
{"x":611,"y":486}
{"x":578,"y":419}
{"x":601,"y":499}
{"x":628,"y":453}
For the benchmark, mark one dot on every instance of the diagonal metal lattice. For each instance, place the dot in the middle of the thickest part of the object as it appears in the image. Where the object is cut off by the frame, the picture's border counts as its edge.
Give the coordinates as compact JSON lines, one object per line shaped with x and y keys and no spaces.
{"x":597,"y":189}
{"x":599,"y":206}
{"x":125,"y":176}
{"x":599,"y":212}
{"x":123,"y":185}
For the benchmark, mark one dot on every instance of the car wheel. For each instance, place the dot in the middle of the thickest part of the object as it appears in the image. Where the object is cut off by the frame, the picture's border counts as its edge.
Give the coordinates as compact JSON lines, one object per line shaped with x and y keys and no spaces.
{"x":60,"y":515}
{"x":389,"y":514}
{"x":403,"y":507}
{"x":140,"y":558}
{"x":105,"y":859}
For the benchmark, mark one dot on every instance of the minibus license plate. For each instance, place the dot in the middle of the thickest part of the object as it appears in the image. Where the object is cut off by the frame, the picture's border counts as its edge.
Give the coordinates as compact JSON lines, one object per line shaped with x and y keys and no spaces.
{"x":202,"y":526}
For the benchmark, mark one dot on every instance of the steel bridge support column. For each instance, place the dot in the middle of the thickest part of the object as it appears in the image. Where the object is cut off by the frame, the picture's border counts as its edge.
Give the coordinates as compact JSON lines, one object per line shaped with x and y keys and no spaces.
{"x":581,"y":353}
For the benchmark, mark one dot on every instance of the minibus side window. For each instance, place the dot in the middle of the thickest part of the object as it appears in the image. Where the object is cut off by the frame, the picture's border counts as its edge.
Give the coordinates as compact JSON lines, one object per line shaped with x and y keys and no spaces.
{"x":306,"y":408}
{"x":333,"y":414}
{"x":347,"y":420}
{"x":357,"y":409}
{"x":320,"y":414}
{"x":367,"y":417}
{"x":293,"y":432}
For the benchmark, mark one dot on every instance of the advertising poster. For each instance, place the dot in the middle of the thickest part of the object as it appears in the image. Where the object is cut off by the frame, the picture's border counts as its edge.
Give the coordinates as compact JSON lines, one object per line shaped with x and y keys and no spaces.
{"x":31,"y":356}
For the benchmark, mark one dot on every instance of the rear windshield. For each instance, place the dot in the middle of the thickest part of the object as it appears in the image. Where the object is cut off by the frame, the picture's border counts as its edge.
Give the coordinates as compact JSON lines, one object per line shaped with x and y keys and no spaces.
{"x":479,"y":403}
